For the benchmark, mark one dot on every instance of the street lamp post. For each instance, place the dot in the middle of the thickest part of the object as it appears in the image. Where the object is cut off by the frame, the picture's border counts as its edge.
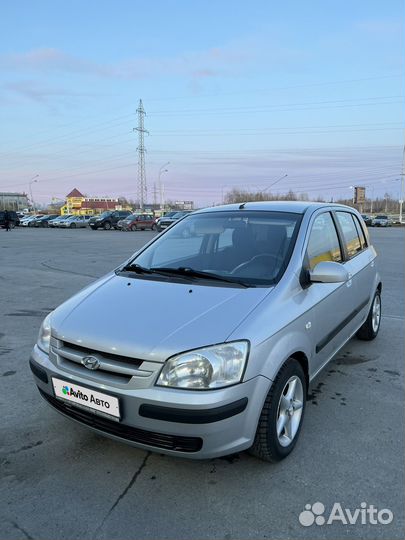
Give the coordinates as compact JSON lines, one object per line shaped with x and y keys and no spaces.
{"x":32,"y":181}
{"x":161,"y":171}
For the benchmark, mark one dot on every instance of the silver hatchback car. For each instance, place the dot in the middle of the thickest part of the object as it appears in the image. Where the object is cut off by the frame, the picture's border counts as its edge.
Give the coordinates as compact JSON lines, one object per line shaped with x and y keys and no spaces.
{"x":237,"y":309}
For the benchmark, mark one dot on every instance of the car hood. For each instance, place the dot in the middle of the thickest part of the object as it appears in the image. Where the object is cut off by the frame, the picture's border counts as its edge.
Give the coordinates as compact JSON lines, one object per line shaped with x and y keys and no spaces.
{"x":150,"y":319}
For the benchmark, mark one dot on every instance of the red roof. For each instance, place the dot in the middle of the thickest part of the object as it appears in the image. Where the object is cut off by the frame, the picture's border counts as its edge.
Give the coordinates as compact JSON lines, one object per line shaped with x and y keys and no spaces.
{"x":105,"y":205}
{"x":75,"y":193}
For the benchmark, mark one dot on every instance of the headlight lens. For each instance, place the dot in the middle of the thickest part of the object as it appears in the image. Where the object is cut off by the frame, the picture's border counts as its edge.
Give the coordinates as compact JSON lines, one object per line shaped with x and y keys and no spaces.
{"x":44,"y":336}
{"x":207,"y":368}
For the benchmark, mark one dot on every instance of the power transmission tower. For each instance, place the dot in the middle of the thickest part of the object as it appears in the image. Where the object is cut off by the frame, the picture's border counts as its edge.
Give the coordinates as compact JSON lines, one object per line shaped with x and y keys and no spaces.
{"x":142,"y":189}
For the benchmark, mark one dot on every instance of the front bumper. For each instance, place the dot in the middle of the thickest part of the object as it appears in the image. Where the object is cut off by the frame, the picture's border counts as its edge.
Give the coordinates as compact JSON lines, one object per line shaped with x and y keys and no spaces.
{"x":192,"y":424}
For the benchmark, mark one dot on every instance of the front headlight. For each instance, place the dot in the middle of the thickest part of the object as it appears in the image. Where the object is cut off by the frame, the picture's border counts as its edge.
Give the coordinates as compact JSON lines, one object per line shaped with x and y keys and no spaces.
{"x":44,"y":336}
{"x":207,"y":368}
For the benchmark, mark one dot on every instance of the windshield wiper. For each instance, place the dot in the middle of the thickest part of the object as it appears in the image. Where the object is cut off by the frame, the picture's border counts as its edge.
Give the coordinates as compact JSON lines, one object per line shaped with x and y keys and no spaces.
{"x":190,"y":272}
{"x":137,"y":268}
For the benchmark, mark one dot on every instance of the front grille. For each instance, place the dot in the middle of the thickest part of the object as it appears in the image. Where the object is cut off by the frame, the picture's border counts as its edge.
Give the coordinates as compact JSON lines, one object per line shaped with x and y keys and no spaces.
{"x":112,"y":367}
{"x":134,"y":362}
{"x":149,"y":438}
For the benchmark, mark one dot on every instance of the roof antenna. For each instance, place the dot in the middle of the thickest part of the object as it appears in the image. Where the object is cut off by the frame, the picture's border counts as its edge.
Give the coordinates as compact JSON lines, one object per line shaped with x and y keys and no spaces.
{"x":242,"y":206}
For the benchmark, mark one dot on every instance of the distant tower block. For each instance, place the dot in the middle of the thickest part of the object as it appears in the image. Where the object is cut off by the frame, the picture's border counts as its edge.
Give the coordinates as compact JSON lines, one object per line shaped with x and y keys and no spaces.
{"x":142,"y":188}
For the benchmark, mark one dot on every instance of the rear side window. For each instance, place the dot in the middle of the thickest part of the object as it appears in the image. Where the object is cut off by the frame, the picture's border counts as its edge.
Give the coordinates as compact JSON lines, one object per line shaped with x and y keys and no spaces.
{"x":323,"y":244}
{"x":350,"y":234}
{"x":360,"y":232}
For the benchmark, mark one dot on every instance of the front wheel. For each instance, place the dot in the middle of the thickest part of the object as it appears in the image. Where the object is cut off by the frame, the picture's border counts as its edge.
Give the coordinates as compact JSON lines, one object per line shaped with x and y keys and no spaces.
{"x":107,"y":226}
{"x":282,"y":414}
{"x":369,"y":330}
{"x":154,"y":227}
{"x":134,"y":228}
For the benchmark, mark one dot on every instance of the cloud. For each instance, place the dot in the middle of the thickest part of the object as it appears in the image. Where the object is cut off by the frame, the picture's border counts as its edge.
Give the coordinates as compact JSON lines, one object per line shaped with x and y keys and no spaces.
{"x":50,"y":60}
{"x":212,"y":62}
{"x":39,"y":93}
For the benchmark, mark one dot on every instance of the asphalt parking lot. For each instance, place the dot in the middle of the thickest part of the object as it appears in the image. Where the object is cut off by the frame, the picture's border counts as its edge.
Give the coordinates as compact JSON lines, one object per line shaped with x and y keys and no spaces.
{"x":61,"y":481}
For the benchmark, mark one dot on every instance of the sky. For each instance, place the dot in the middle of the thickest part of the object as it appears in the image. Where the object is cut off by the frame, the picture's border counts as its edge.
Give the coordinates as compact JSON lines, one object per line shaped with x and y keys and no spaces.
{"x":237,"y":95}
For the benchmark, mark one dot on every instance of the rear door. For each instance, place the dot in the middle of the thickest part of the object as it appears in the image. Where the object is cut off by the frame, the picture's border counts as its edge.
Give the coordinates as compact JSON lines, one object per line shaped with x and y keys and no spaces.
{"x":332,"y":302}
{"x":359,"y":263}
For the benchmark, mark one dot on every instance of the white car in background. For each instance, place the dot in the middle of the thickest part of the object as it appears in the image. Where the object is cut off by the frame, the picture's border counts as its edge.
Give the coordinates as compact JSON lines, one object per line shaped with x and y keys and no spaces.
{"x":25,"y":222}
{"x":381,"y":221}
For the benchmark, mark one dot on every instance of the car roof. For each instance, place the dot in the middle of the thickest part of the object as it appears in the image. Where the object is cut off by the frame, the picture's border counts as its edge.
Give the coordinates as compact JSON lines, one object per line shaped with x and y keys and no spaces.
{"x":297,"y":207}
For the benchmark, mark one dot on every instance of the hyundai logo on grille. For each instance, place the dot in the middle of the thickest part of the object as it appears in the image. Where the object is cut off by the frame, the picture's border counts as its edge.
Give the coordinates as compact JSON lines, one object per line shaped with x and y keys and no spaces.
{"x":91,"y":362}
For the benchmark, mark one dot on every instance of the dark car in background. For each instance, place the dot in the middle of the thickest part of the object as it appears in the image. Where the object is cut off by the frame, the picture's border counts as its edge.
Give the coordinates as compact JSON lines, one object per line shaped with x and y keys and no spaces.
{"x":13,"y":219}
{"x":43,"y":221}
{"x":136,"y":222}
{"x":108,"y":220}
{"x":166,"y":221}
{"x":368,"y":220}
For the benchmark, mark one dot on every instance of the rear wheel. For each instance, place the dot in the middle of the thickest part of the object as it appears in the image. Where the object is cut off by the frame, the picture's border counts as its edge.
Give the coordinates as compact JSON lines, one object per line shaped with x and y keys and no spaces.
{"x":371,"y":326}
{"x":282,"y":414}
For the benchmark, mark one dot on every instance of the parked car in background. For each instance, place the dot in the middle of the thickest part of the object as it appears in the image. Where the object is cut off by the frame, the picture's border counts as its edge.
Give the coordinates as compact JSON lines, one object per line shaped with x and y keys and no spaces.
{"x":43,"y":221}
{"x":136,"y":222}
{"x":64,"y":219}
{"x":108,"y":220}
{"x":166,"y":220}
{"x":368,"y":220}
{"x":381,"y":220}
{"x":167,"y":215}
{"x":13,"y":219}
{"x":28,"y":221}
{"x":269,"y":292}
{"x":75,"y":222}
{"x":55,"y":222}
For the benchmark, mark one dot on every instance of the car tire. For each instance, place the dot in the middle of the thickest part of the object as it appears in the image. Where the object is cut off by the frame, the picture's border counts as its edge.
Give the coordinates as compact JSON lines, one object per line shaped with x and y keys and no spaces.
{"x":73,"y":226}
{"x":133,"y":228}
{"x":107,"y":226}
{"x":369,"y":330}
{"x":153,"y":228}
{"x":272,"y":444}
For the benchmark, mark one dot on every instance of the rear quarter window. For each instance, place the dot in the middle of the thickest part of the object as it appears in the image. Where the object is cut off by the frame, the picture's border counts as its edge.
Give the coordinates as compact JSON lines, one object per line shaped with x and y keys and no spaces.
{"x":350,"y":233}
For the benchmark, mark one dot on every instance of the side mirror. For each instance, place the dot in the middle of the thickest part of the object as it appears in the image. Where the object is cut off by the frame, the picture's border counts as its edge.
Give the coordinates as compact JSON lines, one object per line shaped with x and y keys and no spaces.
{"x":329,"y":272}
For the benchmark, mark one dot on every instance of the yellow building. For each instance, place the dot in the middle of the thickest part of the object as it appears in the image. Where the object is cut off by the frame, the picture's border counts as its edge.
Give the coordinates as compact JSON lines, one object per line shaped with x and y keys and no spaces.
{"x":78,"y":204}
{"x":74,"y":202}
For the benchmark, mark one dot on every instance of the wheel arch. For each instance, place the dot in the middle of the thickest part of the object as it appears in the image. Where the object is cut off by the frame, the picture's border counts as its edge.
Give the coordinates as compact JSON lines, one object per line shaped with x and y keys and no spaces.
{"x":302,"y":358}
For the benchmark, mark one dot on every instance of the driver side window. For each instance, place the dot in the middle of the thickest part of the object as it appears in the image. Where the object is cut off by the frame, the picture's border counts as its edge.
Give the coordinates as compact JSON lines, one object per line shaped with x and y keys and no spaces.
{"x":323,"y":244}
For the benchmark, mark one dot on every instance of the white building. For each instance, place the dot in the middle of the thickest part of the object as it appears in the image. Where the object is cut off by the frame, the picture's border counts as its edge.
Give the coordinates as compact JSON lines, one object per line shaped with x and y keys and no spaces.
{"x":13,"y":201}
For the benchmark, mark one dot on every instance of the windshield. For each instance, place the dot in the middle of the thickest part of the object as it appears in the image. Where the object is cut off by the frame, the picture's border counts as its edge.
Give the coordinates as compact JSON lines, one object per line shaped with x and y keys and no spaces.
{"x":103,"y":215}
{"x":381,"y":217}
{"x":250,"y":247}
